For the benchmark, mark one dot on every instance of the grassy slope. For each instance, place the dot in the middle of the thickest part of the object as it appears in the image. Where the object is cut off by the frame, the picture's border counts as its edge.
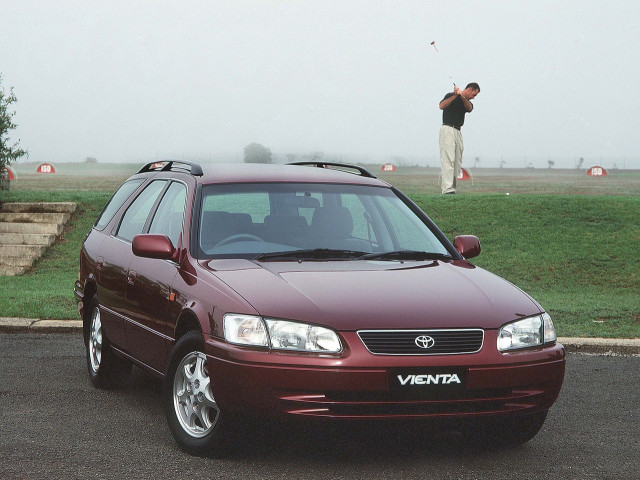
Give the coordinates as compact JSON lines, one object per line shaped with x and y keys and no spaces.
{"x":47,"y":291}
{"x":577,"y":255}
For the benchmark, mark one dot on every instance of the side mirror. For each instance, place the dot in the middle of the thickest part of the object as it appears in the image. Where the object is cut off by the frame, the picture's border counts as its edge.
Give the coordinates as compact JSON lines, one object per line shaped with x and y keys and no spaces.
{"x":467,"y":245}
{"x":153,"y":246}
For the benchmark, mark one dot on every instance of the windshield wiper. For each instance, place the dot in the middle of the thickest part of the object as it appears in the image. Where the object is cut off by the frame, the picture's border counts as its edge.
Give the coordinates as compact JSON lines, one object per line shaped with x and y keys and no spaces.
{"x":312,"y":254}
{"x":405,"y":255}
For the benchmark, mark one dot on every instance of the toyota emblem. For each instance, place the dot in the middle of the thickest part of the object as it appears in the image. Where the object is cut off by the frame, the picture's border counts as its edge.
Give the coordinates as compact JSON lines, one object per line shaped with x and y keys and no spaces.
{"x":425,"y":341}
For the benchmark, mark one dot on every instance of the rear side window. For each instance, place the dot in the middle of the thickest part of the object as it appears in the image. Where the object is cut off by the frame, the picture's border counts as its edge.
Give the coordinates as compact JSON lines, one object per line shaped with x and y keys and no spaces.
{"x":118,"y":198}
{"x":134,"y":219}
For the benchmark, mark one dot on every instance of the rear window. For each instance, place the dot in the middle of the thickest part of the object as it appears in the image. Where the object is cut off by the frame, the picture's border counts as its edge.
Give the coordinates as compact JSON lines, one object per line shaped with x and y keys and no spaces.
{"x":118,"y":198}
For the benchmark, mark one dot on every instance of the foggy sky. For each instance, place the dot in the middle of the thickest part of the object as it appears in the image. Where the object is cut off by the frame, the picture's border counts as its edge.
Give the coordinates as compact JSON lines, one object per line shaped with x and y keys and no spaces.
{"x":138,"y":80}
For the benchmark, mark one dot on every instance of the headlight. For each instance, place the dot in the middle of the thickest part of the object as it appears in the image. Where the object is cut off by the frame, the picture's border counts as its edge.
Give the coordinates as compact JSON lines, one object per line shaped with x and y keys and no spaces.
{"x":302,"y":337}
{"x":279,"y":334}
{"x":525,"y":333}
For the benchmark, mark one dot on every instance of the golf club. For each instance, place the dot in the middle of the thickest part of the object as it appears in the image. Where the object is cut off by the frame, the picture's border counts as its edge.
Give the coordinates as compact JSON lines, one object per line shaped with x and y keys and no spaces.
{"x":443,"y":65}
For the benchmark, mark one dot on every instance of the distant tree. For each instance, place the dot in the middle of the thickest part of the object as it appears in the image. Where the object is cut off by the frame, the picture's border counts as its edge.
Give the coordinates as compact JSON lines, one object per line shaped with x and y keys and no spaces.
{"x":580,"y":162}
{"x":291,"y":157}
{"x":8,"y":152}
{"x":256,"y":153}
{"x":91,"y":160}
{"x":551,"y":163}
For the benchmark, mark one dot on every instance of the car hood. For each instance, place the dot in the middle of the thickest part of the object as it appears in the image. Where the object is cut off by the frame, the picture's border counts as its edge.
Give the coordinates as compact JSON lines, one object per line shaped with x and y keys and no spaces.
{"x":353,"y":295}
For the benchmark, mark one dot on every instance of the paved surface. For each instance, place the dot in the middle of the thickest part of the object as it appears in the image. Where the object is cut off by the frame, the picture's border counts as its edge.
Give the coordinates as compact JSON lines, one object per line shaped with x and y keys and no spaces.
{"x":55,"y":425}
{"x":602,"y":346}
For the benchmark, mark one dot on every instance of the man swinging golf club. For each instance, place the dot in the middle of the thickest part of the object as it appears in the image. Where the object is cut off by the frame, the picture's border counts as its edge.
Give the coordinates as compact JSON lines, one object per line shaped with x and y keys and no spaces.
{"x":454,"y":106}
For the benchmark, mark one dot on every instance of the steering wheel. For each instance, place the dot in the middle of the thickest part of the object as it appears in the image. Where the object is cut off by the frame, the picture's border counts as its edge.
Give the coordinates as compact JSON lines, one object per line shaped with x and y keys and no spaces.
{"x":236,"y":238}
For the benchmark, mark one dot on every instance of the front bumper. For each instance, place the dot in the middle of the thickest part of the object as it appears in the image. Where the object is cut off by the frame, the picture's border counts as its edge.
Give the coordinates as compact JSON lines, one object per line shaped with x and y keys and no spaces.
{"x":359,"y":385}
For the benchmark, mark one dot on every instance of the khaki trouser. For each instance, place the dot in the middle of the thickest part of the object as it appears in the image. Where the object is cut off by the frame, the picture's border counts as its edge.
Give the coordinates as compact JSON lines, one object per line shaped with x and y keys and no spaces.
{"x":451,"y":148}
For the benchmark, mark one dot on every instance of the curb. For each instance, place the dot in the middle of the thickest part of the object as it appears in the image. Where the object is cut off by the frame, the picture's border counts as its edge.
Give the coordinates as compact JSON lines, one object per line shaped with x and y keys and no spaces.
{"x":602,"y":346}
{"x":598,"y":346}
{"x":35,"y":325}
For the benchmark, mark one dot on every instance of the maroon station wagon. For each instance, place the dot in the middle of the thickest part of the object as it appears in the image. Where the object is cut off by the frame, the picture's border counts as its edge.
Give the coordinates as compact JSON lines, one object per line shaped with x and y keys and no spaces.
{"x":306,"y":293}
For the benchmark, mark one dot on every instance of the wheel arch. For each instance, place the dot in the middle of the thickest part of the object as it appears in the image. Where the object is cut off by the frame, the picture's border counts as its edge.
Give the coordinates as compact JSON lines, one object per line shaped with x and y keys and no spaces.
{"x":187,"y":321}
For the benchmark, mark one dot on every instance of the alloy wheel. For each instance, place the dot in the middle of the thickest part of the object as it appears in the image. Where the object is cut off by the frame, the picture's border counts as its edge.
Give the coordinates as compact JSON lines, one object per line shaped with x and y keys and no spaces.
{"x":193,"y":401}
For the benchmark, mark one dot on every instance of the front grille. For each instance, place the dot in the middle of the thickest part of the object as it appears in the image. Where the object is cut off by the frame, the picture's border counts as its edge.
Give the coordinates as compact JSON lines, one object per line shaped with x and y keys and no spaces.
{"x":422,"y":342}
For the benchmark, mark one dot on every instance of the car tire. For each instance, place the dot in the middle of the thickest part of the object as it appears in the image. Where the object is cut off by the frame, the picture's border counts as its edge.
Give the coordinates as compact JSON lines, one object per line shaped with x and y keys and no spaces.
{"x":510,"y":431}
{"x":106,"y":370}
{"x":195,"y":420}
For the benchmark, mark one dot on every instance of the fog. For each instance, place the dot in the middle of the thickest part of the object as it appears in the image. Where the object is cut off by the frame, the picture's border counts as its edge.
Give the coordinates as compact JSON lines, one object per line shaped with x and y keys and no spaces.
{"x":359,"y":81}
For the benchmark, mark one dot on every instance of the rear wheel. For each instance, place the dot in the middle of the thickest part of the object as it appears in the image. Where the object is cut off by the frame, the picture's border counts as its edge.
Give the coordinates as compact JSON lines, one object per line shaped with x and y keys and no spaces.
{"x":195,"y":419}
{"x":105,"y":368}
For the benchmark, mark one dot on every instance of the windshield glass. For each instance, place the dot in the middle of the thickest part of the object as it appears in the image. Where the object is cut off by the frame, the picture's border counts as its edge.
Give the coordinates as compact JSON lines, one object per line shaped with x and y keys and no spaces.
{"x":252,"y":220}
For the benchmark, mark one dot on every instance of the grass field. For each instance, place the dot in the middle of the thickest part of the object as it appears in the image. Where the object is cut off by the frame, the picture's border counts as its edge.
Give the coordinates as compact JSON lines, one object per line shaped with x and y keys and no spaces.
{"x":47,"y":290}
{"x":569,"y":240}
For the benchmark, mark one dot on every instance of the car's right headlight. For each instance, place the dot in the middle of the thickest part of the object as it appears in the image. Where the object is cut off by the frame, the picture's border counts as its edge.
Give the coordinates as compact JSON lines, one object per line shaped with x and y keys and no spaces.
{"x":278,"y":334}
{"x":526,"y":333}
{"x":301,"y":337}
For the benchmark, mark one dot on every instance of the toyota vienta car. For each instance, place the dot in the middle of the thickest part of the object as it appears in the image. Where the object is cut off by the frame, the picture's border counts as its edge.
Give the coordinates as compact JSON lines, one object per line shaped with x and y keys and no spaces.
{"x":304,"y":292}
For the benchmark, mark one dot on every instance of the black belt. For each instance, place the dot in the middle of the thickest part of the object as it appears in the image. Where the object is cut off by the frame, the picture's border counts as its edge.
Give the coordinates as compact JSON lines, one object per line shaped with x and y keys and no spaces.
{"x":453,"y":126}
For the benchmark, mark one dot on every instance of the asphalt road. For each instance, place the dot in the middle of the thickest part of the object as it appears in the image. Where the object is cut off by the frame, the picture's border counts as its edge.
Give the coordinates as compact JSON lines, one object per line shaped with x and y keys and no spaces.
{"x":55,"y":425}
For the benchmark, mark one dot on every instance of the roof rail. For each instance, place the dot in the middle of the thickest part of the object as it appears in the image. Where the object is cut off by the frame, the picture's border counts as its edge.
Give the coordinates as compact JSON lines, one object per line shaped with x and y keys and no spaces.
{"x":173,"y":165}
{"x":339,"y":166}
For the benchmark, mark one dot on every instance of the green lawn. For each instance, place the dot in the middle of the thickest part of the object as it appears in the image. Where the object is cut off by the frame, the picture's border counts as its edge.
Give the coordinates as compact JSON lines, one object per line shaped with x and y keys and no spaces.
{"x":47,"y":290}
{"x":577,"y":255}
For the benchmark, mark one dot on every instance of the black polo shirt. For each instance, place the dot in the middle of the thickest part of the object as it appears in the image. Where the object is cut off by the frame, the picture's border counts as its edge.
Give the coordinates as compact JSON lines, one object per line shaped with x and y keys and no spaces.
{"x":454,"y":113}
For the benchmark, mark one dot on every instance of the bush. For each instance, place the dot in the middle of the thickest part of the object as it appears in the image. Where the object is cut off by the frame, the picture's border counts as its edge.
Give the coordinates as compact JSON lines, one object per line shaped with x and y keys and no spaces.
{"x":256,"y":153}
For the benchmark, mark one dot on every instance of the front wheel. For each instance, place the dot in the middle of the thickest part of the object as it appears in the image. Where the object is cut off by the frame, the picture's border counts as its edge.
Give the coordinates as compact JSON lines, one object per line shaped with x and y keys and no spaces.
{"x":195,"y":420}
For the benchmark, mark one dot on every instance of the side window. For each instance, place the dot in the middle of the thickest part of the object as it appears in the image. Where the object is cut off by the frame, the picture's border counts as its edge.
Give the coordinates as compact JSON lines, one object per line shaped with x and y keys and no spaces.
{"x":136,"y":215}
{"x":118,"y":198}
{"x":168,"y":217}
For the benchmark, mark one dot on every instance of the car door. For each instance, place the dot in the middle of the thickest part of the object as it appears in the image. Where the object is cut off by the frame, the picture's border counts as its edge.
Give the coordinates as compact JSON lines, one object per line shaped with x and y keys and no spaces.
{"x":149,"y":285}
{"x":114,"y":257}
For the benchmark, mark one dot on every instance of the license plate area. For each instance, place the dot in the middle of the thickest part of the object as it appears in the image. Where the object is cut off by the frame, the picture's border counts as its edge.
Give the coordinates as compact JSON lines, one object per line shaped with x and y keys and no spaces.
{"x":428,"y":382}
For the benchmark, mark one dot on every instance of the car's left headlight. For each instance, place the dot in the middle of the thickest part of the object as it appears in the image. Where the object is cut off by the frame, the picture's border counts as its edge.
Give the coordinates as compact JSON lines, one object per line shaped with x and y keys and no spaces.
{"x":526,"y":333}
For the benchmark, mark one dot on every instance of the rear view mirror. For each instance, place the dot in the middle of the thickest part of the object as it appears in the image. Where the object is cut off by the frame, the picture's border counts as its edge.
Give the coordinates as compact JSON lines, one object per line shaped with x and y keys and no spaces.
{"x":153,"y":246}
{"x":467,"y":245}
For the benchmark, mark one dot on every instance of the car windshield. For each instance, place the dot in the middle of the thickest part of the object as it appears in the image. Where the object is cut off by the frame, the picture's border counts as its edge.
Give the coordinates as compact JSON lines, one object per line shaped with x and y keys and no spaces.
{"x":285,"y":221}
